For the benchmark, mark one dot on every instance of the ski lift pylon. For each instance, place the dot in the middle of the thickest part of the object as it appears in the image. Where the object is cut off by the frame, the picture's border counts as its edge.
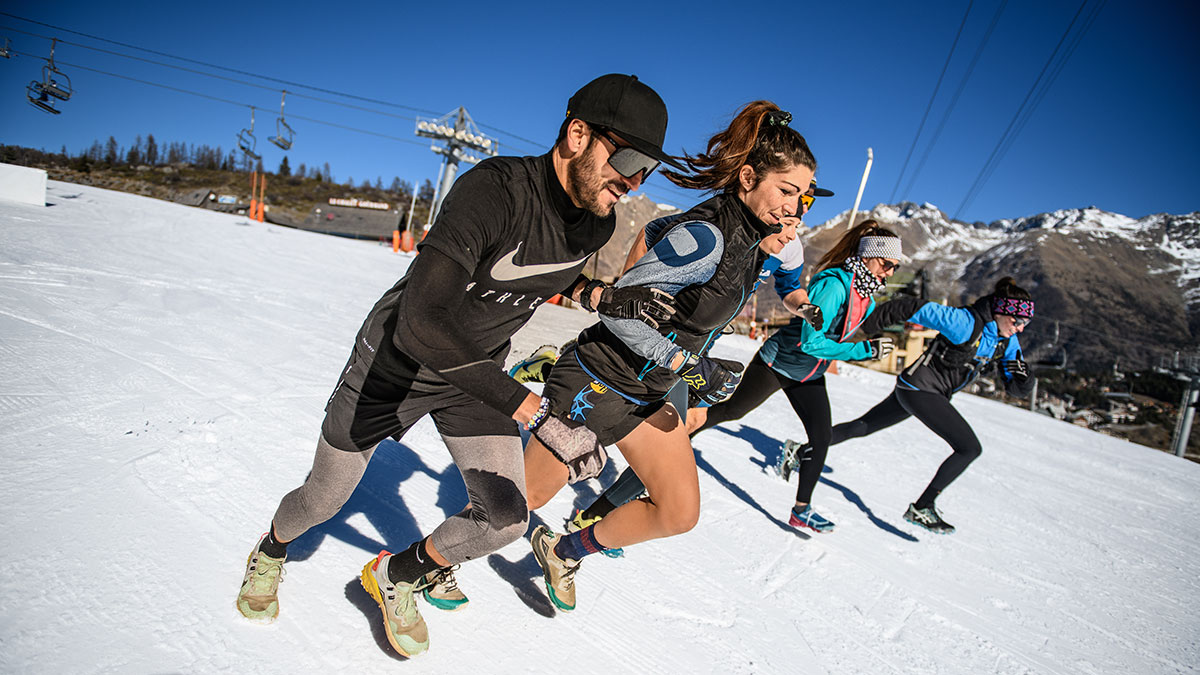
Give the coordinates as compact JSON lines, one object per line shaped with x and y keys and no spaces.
{"x":283,"y":133}
{"x":246,"y":140}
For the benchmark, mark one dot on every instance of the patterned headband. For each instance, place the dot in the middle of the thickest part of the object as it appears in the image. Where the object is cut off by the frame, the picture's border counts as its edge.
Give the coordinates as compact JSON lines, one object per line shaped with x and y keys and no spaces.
{"x":1012,"y":307}
{"x":873,"y":246}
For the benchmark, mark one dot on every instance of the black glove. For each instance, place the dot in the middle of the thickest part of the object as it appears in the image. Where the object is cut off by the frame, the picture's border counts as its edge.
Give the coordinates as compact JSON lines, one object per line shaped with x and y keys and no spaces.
{"x":812,"y":314}
{"x":646,"y":304}
{"x":880,"y":347}
{"x":573,"y":444}
{"x":1017,"y":369}
{"x":713,"y":380}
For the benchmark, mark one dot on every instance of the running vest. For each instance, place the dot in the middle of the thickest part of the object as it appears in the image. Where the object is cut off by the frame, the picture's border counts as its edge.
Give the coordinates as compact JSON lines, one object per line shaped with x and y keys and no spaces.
{"x":701,"y":310}
{"x":945,"y":367}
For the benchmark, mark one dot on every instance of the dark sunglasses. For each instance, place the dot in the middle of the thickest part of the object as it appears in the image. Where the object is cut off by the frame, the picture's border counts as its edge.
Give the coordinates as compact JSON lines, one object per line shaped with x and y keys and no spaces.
{"x":626,"y":160}
{"x":888,"y":265}
{"x":1020,"y":321}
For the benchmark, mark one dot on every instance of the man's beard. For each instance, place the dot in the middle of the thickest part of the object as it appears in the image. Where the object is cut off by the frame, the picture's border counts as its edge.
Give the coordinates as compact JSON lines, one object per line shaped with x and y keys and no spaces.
{"x":585,"y":185}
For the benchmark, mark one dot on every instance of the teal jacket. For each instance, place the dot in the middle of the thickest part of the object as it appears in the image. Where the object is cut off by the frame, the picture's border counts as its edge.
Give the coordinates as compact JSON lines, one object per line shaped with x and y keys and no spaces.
{"x":800,"y":352}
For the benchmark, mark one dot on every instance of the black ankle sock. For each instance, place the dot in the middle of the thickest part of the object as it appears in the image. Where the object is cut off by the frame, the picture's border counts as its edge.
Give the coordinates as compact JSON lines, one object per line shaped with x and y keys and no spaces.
{"x":411,"y":564}
{"x":599,"y":508}
{"x":272,"y":547}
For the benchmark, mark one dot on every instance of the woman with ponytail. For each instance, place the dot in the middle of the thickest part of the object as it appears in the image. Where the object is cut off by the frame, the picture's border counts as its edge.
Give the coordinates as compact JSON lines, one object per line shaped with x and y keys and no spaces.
{"x":615,"y":378}
{"x":970,"y":339}
{"x":796,"y":357}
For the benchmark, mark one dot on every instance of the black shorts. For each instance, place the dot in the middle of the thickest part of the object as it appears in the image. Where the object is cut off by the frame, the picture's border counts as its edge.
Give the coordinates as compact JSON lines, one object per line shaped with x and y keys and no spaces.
{"x":576,"y":395}
{"x":368,"y":405}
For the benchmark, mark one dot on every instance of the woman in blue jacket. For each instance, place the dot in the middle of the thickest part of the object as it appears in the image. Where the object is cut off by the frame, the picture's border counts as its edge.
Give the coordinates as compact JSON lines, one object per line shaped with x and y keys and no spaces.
{"x":795,"y":358}
{"x":971,"y":339}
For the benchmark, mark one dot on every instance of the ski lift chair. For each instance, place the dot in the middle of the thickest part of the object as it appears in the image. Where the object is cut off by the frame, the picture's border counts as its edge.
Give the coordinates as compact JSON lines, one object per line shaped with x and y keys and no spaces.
{"x":246,"y":140}
{"x":6,"y":50}
{"x":55,"y":82}
{"x":283,"y":133}
{"x":39,"y":98}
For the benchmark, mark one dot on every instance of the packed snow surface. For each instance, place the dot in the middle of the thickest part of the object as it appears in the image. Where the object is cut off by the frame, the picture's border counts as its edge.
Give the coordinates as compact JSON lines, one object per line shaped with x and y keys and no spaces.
{"x":164,"y":373}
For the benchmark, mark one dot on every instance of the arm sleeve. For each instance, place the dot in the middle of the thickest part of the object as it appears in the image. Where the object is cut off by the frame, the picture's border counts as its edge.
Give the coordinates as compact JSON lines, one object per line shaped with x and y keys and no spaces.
{"x":956,"y":323}
{"x":829,"y":294}
{"x":789,"y":276}
{"x":686,"y":256}
{"x":889,"y":313}
{"x":427,"y":330}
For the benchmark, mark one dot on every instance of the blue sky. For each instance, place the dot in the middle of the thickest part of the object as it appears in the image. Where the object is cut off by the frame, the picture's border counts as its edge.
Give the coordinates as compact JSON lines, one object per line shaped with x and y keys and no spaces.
{"x":1115,"y":129}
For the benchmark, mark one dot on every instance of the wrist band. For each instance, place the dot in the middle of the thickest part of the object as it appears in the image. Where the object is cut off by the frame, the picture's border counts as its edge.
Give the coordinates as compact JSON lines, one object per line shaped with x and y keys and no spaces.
{"x":585,"y":295}
{"x":537,"y":417}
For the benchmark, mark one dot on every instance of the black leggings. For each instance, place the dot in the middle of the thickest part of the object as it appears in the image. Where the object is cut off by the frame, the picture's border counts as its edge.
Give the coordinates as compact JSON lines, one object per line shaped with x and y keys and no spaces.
{"x":808,"y":399}
{"x":935,"y":411}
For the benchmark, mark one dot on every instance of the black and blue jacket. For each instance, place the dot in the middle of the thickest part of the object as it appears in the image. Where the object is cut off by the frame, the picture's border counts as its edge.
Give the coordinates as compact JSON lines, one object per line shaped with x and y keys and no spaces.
{"x":968,"y":342}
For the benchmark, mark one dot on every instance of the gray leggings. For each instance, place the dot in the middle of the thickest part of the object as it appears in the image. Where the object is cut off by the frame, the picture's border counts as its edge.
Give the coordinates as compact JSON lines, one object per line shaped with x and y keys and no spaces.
{"x":493,"y":468}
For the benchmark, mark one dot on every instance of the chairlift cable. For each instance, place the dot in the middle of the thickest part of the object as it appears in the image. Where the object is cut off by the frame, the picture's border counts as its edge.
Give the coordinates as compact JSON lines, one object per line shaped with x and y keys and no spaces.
{"x":977,"y":185}
{"x":250,"y":74}
{"x":962,"y":85}
{"x":932,"y":97}
{"x":232,"y":102}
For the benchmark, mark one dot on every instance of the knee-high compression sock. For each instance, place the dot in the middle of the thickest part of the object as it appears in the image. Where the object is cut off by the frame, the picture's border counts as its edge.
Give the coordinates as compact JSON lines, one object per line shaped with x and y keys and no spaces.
{"x":626,"y":488}
{"x":411,"y":564}
{"x":578,"y":544}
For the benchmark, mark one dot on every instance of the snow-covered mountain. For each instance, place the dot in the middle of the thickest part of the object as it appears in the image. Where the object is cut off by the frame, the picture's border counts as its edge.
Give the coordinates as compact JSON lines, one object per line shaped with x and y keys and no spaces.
{"x":1119,"y":288}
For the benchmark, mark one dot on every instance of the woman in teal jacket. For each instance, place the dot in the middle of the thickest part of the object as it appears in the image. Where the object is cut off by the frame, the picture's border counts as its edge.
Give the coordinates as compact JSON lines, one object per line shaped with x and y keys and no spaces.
{"x":795,"y":358}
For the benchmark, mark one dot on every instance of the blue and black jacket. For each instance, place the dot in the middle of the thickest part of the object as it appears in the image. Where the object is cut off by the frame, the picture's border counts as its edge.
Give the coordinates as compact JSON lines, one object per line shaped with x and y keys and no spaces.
{"x":802,"y":353}
{"x":968,"y":342}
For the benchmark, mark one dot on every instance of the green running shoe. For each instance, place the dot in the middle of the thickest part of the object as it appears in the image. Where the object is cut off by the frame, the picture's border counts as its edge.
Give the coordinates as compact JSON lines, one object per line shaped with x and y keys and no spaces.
{"x":440,"y":589}
{"x":258,"y":600}
{"x":404,"y":626}
{"x":559,"y":573}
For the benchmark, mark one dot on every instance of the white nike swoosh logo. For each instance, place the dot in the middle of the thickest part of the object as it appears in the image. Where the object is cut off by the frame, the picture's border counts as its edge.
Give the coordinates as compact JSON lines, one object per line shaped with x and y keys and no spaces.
{"x":507,"y":270}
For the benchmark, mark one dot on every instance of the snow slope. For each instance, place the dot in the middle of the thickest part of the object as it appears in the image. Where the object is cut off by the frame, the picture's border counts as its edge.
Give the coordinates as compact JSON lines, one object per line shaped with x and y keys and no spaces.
{"x":164,"y":372}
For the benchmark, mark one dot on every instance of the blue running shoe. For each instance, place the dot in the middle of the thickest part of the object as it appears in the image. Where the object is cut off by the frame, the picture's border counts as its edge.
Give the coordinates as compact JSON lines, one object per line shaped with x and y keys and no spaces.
{"x":810,"y":519}
{"x":789,"y":460}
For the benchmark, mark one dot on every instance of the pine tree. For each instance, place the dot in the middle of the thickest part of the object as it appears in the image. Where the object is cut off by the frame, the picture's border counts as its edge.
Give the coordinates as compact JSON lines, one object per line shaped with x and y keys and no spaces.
{"x":151,"y":151}
{"x":110,"y":152}
{"x":285,"y":169}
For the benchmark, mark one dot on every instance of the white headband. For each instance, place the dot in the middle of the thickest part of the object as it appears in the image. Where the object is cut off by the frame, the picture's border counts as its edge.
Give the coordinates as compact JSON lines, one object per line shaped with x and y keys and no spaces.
{"x":880,"y":247}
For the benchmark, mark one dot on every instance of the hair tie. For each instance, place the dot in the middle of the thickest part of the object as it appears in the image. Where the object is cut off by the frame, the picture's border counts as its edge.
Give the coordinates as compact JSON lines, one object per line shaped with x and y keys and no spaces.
{"x":779,"y":118}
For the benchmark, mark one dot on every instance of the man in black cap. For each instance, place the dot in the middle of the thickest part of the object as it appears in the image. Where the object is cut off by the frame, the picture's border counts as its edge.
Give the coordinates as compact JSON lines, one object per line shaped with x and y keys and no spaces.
{"x":512,"y":233}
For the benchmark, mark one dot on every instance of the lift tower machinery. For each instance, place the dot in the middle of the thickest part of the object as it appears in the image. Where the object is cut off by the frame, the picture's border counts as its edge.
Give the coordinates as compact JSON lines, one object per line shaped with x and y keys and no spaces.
{"x":462,"y":138}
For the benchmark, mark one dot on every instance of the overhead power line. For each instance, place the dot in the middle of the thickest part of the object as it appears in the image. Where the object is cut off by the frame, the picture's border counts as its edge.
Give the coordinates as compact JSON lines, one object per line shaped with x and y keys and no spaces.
{"x":932,"y":97}
{"x":289,"y":83}
{"x":1028,"y":104}
{"x":962,"y":85}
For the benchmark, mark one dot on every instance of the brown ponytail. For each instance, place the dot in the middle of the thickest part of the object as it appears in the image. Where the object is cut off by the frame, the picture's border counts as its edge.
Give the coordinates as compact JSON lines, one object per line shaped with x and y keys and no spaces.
{"x":757,"y":136}
{"x":1008,"y":288}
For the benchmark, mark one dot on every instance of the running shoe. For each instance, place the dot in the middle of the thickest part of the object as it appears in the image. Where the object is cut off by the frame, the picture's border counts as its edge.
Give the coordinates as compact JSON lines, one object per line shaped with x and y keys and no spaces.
{"x":402,"y":622}
{"x":440,"y":588}
{"x":928,"y":518}
{"x":258,"y":600}
{"x":809,"y":518}
{"x":535,"y":368}
{"x":559,"y":573}
{"x":789,"y":460}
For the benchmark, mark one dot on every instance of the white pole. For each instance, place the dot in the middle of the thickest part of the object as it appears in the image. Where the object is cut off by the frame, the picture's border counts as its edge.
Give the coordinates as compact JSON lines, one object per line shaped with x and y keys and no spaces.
{"x":413,"y":205}
{"x":861,"y":186}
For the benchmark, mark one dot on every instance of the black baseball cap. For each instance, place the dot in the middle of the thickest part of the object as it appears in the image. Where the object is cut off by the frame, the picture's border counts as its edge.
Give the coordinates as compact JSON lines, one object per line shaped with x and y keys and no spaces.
{"x":629,"y":108}
{"x":820,"y":191}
